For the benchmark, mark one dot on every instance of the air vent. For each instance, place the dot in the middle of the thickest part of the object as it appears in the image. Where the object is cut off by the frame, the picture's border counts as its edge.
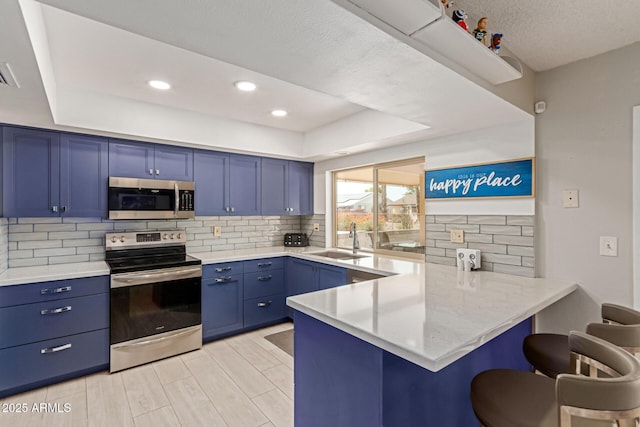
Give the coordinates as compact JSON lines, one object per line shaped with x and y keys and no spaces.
{"x":6,"y":76}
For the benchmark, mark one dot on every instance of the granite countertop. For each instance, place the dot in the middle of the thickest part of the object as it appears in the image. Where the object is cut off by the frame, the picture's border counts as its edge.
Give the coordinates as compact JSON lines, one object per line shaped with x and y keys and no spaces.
{"x":435,"y":314}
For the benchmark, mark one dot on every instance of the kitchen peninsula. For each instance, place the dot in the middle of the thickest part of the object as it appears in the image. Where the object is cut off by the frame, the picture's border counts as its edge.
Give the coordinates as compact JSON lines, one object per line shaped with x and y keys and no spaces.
{"x":402,"y":350}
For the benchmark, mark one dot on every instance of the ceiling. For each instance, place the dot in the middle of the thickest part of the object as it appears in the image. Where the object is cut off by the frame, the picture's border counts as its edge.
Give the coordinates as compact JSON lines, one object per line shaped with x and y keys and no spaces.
{"x":82,"y":65}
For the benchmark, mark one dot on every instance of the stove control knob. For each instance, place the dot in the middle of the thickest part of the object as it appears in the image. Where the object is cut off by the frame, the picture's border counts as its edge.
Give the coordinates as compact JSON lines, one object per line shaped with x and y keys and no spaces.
{"x":122,"y":239}
{"x":114,"y":239}
{"x":165,"y":236}
{"x":173,"y":236}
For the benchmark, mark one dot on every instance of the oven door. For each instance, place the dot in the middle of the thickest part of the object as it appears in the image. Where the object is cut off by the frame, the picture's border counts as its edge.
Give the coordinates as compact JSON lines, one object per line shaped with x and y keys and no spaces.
{"x":154,"y":302}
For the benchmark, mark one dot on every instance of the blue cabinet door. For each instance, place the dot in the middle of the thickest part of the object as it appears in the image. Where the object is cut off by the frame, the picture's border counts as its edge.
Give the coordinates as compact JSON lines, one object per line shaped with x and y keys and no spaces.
{"x":300,"y":188}
{"x":131,"y":159}
{"x":31,"y":163}
{"x":84,"y":163}
{"x":274,"y":184}
{"x":222,"y":299}
{"x":300,"y":277}
{"x":244,"y":185}
{"x":211,"y":172}
{"x":173,"y":163}
{"x":330,"y":276}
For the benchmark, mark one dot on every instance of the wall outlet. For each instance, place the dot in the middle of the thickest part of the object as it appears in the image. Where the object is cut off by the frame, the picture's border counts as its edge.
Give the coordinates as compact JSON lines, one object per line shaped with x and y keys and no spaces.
{"x":608,"y":246}
{"x":457,"y":236}
{"x":570,"y":198}
{"x":316,"y":226}
{"x":217,"y":231}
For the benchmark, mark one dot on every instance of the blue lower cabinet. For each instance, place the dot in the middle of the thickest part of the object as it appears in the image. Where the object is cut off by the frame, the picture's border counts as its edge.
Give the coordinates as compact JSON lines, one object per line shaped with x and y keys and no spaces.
{"x":46,"y":320}
{"x":222,"y":297}
{"x":51,"y":291}
{"x":263,"y":310}
{"x":330,"y":276}
{"x":33,"y":365}
{"x":263,"y":283}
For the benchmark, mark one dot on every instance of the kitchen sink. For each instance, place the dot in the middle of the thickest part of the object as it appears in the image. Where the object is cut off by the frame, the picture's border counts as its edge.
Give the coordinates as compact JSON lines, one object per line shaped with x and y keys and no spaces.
{"x":338,"y":255}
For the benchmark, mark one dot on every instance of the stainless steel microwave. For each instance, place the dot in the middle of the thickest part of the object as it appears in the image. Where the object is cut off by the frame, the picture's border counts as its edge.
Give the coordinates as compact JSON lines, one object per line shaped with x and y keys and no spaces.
{"x":136,"y":198}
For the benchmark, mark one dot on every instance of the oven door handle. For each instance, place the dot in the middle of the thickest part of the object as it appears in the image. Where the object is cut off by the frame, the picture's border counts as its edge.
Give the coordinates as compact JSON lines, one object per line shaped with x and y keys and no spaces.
{"x":134,"y":279}
{"x":154,"y":340}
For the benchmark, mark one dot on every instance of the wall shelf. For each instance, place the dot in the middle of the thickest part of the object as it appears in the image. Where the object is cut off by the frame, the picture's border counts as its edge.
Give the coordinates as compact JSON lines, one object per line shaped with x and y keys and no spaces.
{"x":425,"y":21}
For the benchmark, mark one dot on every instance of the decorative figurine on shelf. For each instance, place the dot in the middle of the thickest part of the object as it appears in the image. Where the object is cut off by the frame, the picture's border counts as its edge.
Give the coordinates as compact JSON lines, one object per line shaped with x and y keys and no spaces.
{"x":496,"y":39}
{"x":459,"y":18}
{"x":447,"y":3}
{"x":480,"y":33}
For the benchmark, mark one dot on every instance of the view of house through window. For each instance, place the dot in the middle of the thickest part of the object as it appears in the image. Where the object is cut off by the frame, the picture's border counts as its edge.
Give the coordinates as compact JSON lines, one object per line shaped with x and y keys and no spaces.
{"x":385,"y":202}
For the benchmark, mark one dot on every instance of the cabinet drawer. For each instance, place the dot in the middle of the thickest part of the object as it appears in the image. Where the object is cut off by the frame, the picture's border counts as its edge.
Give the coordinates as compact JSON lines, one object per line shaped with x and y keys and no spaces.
{"x":222,"y":269}
{"x":50,"y":291}
{"x":28,"y":323}
{"x":32,"y":363}
{"x":263,"y":264}
{"x":264,"y":309}
{"x":263,"y":283}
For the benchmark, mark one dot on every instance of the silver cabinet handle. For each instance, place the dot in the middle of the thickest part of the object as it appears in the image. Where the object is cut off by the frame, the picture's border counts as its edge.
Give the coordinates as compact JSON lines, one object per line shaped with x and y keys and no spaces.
{"x":264,"y":304}
{"x":221,"y":269}
{"x":64,"y":208}
{"x":55,"y":290}
{"x":54,"y":208}
{"x":233,"y":209}
{"x":264,"y":264}
{"x":56,"y":310}
{"x":157,"y":171}
{"x":150,"y":171}
{"x":265,"y":278}
{"x":177,"y":196}
{"x":223,"y":279}
{"x":55,"y":349}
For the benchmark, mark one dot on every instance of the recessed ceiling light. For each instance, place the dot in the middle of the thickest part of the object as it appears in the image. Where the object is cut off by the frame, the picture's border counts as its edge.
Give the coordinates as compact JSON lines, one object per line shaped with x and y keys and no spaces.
{"x":159,"y":84}
{"x":245,"y":86}
{"x":279,"y":113}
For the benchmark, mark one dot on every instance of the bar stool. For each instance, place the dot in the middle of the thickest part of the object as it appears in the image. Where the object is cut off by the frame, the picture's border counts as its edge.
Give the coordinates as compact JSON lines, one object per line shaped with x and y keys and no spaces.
{"x":508,"y":398}
{"x":548,"y":353}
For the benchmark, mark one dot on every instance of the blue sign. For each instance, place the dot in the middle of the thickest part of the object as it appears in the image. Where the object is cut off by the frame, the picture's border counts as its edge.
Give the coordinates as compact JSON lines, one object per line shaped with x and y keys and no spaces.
{"x":505,"y":179}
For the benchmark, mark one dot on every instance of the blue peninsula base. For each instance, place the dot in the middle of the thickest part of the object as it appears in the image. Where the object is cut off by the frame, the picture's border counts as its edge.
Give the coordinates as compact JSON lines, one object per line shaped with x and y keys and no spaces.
{"x":341,"y":380}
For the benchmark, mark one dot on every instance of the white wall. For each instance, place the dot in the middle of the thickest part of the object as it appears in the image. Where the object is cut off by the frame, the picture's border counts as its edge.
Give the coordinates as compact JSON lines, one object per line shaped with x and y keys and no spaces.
{"x":636,"y":203}
{"x":584,"y":142}
{"x":511,"y":141}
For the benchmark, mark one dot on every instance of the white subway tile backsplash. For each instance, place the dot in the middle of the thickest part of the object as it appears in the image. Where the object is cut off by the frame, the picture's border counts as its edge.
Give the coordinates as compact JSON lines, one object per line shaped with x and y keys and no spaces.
{"x":40,"y":241}
{"x":506,"y":242}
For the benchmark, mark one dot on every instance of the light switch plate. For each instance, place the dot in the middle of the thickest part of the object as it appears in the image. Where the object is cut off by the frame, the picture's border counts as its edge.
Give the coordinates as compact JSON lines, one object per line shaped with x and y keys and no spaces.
{"x":217,"y":231}
{"x":570,"y":199}
{"x":608,"y":246}
{"x":457,"y":236}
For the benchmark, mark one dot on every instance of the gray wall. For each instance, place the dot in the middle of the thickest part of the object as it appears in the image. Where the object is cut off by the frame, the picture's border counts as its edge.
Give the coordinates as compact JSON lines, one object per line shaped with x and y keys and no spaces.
{"x":584,"y":142}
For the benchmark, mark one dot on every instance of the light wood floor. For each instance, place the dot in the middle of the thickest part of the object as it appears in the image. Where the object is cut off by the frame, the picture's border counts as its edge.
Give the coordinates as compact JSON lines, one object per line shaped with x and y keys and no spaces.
{"x":239,"y":381}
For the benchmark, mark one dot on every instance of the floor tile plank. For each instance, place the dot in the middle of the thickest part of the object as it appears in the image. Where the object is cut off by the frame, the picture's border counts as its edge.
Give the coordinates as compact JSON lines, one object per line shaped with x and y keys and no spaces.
{"x":162,"y":417}
{"x":233,"y":405}
{"x":144,"y":391}
{"x":191,"y":405}
{"x":245,"y":375}
{"x":282,"y":377}
{"x":277,"y":407}
{"x":107,"y":403}
{"x":171,"y":369}
{"x":67,"y":411}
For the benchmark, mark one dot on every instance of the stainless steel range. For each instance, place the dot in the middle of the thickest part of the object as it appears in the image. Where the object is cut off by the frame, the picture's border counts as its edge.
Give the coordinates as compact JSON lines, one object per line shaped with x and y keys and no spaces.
{"x":155,"y":297}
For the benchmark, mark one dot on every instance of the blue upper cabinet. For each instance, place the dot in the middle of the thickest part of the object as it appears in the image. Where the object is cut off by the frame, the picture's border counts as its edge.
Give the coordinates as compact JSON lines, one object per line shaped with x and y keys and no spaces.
{"x":244,"y":185}
{"x":287,"y":187}
{"x":51,"y":174}
{"x":84,"y":174}
{"x":227,"y":184}
{"x":133,"y":159}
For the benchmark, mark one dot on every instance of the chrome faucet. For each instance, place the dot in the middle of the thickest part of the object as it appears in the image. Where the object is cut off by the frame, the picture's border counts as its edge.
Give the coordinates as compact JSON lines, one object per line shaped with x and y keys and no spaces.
{"x":353,"y":233}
